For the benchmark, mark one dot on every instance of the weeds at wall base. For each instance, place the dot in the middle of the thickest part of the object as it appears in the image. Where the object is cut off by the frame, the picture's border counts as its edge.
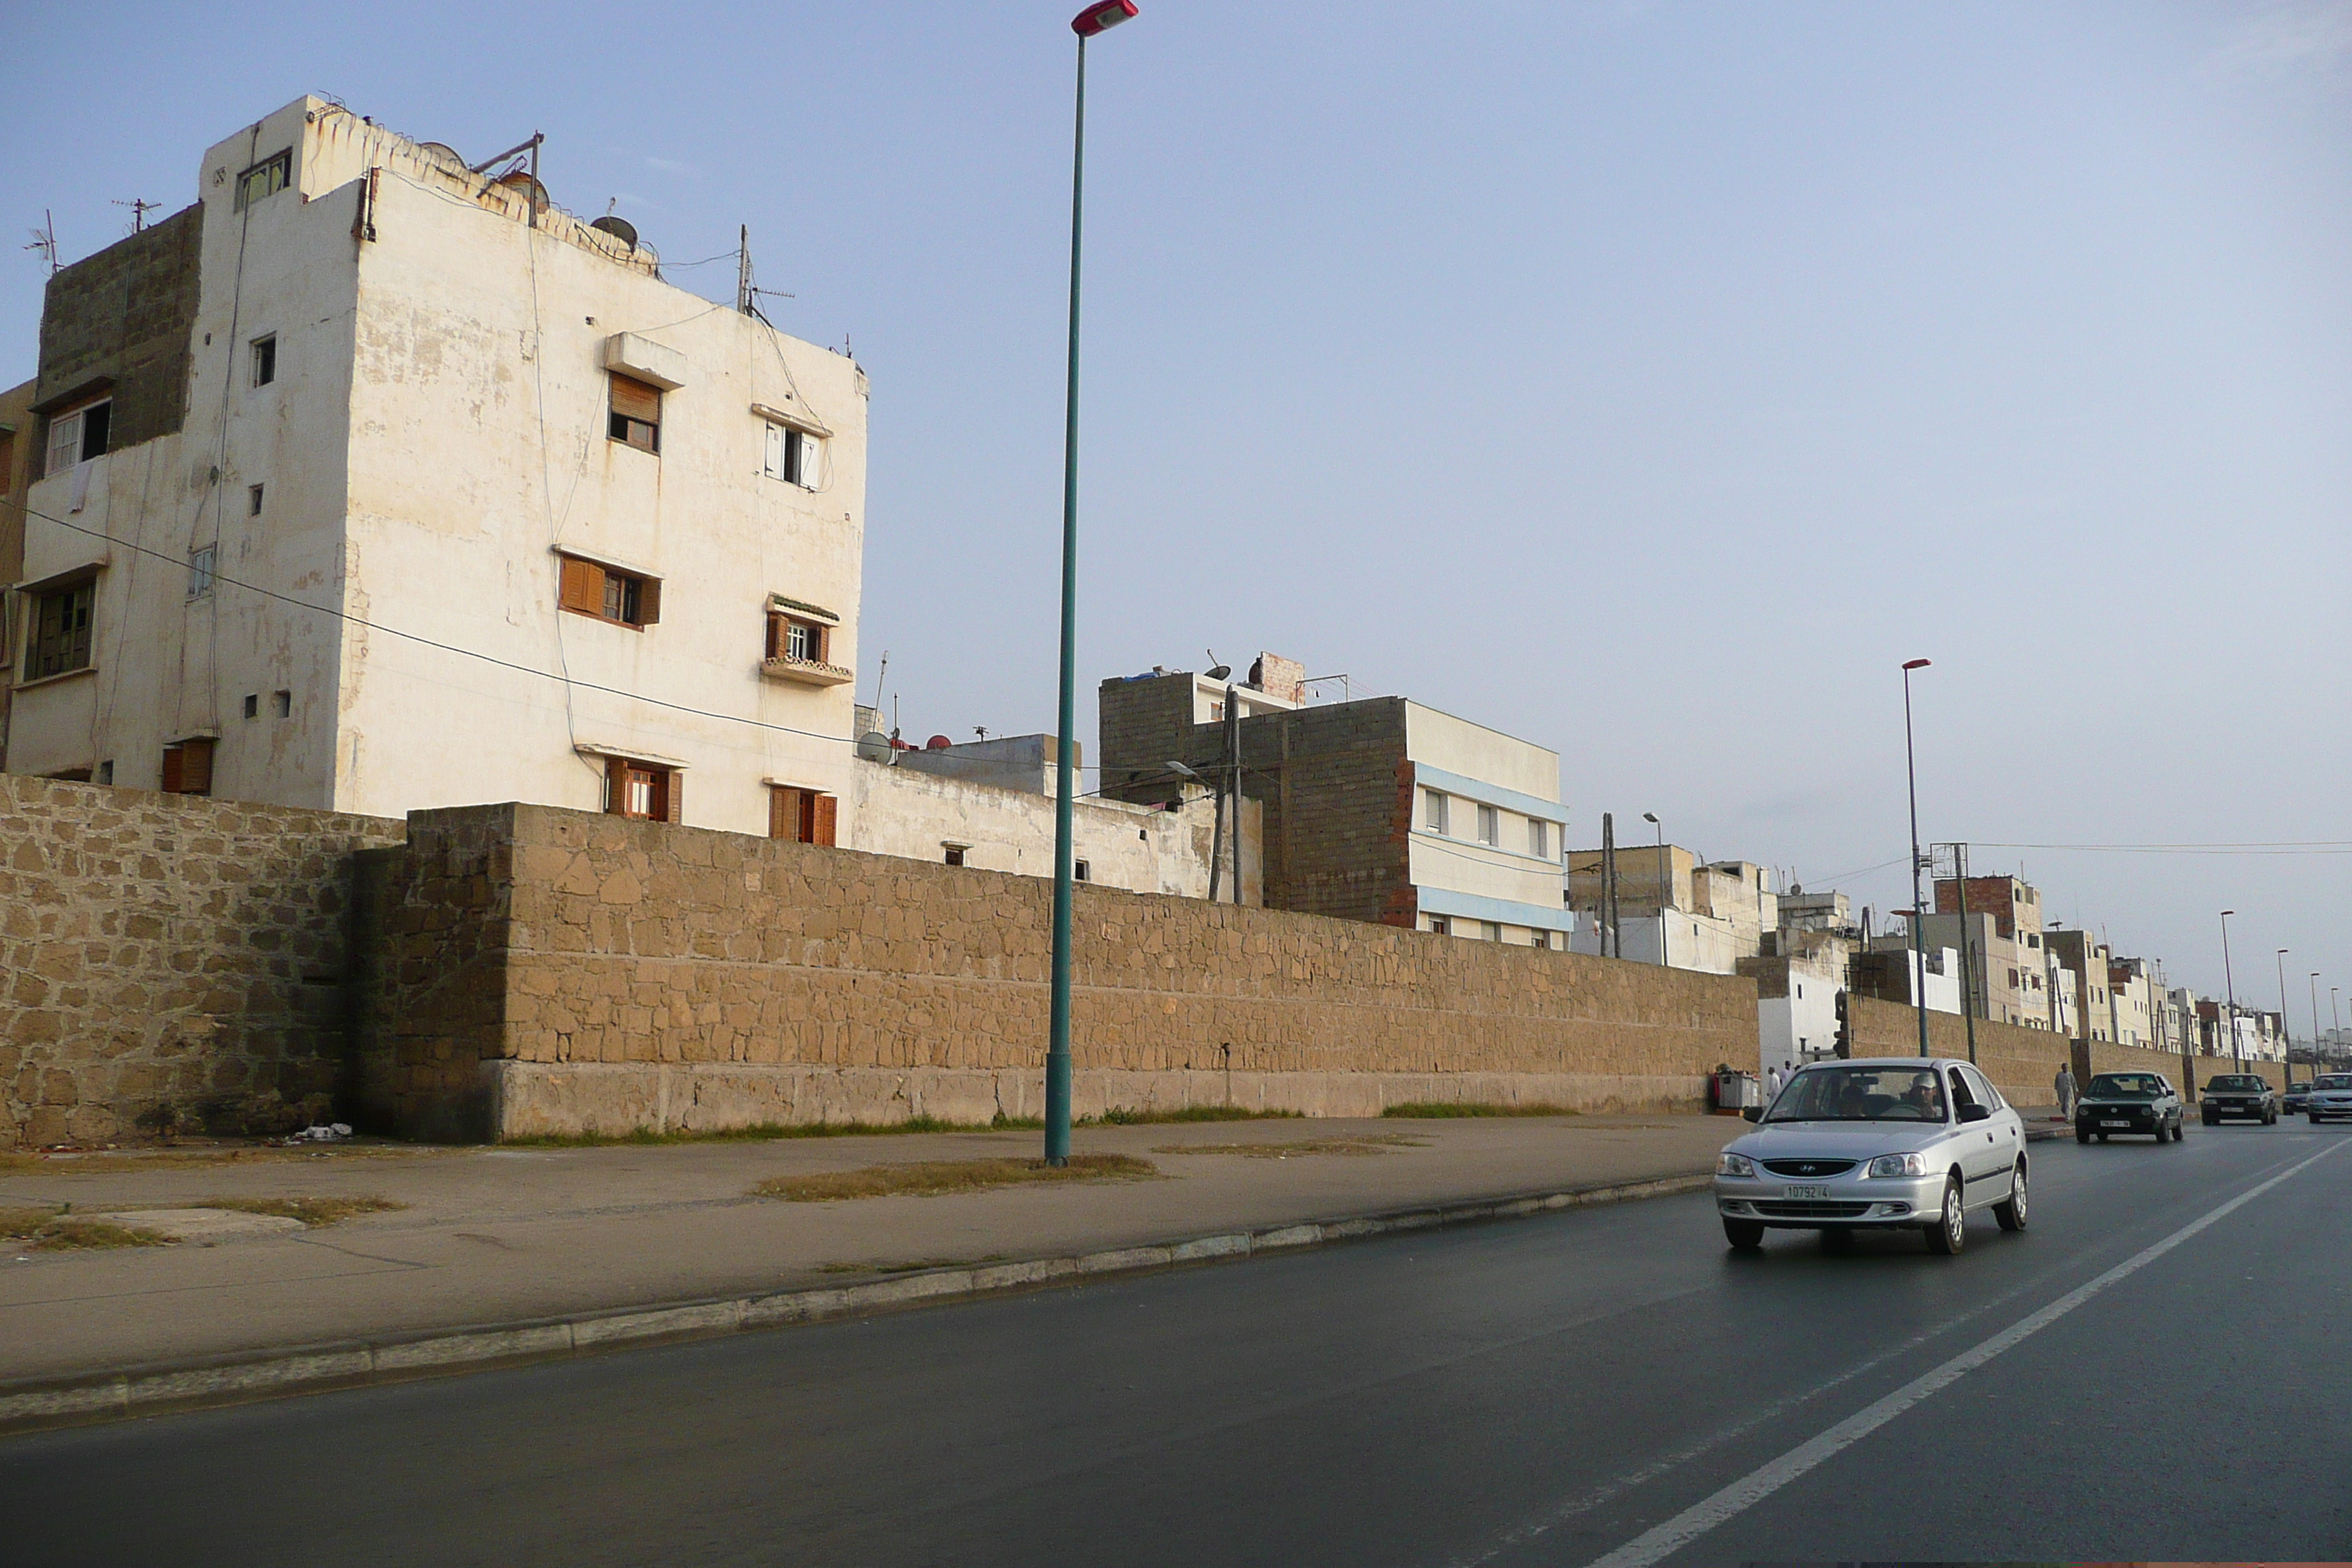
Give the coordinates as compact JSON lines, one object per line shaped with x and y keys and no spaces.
{"x":1432,"y":1110}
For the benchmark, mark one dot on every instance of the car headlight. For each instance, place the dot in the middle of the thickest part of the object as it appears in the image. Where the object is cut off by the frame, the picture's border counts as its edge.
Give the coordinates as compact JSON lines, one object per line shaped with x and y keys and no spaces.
{"x":1730,"y":1164}
{"x":1899,"y":1165}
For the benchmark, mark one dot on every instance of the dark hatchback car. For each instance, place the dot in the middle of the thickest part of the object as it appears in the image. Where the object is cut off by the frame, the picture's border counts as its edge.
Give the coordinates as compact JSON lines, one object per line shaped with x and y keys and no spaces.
{"x":2298,"y":1098}
{"x":2242,"y":1094}
{"x":2140,"y":1103}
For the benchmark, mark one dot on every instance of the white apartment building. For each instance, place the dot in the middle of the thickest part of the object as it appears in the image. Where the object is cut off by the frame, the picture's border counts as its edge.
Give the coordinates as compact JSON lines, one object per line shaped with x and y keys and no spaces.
{"x":442,"y":496}
{"x":1483,"y":854}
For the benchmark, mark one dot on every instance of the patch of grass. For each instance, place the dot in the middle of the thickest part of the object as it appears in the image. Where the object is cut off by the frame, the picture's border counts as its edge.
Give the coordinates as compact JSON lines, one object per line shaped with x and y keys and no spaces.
{"x":769,"y":1131}
{"x":1437,"y":1110}
{"x":1372,"y":1143}
{"x":309,"y":1211}
{"x":1189,"y":1113}
{"x":56,"y":1230}
{"x":929,"y":1178}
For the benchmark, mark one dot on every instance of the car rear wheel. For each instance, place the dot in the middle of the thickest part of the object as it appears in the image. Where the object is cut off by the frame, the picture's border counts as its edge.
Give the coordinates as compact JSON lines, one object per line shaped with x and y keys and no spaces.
{"x":2179,"y":1130}
{"x":2010,"y":1212}
{"x":1745,"y":1235}
{"x":1950,"y":1231}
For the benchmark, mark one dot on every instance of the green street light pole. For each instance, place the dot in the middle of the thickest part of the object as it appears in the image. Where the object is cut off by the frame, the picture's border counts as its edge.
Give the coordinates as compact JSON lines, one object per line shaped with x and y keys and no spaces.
{"x":1088,"y":22}
{"x":1918,"y":916}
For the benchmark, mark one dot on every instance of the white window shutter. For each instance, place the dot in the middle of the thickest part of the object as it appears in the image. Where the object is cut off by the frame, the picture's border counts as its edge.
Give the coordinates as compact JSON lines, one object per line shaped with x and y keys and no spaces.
{"x":810,"y":460}
{"x":777,"y":434}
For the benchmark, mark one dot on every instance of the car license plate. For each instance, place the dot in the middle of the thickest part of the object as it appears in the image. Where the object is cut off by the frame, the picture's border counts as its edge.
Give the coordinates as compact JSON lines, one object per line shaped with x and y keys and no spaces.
{"x":2115,"y":1124}
{"x":1808,"y":1192}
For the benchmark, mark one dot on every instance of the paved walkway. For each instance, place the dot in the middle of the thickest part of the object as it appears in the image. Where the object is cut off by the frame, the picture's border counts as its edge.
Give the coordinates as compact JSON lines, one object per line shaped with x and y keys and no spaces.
{"x":495,"y":1236}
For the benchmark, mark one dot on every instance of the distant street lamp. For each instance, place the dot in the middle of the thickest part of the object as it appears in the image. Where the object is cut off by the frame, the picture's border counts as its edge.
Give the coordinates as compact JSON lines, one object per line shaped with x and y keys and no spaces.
{"x":2236,"y":1060}
{"x":1095,"y":19}
{"x":2286,"y":1035}
{"x":1652,"y":818}
{"x":1918,"y":921}
{"x":2315,"y":1026}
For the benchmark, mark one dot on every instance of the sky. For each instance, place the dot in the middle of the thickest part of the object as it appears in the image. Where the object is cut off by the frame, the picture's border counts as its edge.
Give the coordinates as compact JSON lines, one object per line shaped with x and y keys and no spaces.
{"x":1645,"y":380}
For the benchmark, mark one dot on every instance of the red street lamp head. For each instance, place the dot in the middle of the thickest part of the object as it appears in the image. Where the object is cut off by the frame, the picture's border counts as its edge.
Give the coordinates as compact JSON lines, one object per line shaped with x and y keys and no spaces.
{"x":1101,"y":18}
{"x":1916,"y":664}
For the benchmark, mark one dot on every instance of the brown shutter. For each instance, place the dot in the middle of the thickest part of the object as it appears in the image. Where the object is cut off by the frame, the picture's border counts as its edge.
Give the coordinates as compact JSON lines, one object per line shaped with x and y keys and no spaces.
{"x":784,"y":811}
{"x":673,"y":796}
{"x":649,"y":601}
{"x":583,"y":586}
{"x":827,"y":810}
{"x":820,"y":642}
{"x":636,"y":400}
{"x":775,"y":636}
{"x":196,"y":770}
{"x":617,"y":785}
{"x":173,"y":770}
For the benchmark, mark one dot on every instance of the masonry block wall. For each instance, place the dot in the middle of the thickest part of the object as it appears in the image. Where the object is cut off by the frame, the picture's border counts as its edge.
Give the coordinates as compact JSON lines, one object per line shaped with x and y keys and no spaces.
{"x":2021,"y":1063}
{"x":170,"y":961}
{"x":124,"y":316}
{"x":646,"y":976}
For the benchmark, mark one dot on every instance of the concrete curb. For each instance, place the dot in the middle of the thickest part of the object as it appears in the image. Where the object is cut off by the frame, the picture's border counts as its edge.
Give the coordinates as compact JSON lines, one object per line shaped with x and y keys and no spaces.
{"x":75,"y":1399}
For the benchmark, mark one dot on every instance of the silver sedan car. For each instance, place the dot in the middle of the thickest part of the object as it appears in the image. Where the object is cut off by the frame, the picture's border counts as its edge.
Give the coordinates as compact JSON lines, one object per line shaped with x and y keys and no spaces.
{"x":2331,"y":1096}
{"x":1878,"y":1144}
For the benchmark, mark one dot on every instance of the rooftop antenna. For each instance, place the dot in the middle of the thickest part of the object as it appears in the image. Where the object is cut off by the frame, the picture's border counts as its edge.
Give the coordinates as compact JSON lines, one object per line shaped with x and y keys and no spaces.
{"x":743,"y":270}
{"x":140,"y":208}
{"x":981,"y":730}
{"x":878,"y":680}
{"x":44,"y":239}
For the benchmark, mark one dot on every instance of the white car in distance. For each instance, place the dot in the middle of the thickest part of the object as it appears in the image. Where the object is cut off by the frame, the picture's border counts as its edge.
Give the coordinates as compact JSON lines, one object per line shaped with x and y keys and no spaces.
{"x":1883,"y":1143}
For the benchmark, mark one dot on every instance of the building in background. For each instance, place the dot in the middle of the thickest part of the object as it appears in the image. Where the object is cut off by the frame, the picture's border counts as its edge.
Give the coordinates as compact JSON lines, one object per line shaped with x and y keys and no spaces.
{"x":2085,"y":959}
{"x":1673,"y":908}
{"x":2004,"y":946}
{"x":17,"y":429}
{"x":359,"y":406}
{"x":1379,"y":809}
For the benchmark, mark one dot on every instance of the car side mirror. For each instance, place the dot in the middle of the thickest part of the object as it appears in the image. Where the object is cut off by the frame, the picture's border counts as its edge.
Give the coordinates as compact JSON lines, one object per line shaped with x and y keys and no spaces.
{"x":1754,"y":1114}
{"x":1975,"y":1113}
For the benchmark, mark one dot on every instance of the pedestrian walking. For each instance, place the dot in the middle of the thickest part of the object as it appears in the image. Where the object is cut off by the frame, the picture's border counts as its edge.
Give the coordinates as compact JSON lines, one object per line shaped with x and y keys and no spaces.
{"x":1772,"y":1082}
{"x":2064,"y":1084}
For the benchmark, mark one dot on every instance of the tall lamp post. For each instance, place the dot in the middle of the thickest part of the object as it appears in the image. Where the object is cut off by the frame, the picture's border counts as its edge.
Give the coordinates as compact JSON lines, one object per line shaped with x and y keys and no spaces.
{"x":1918,"y":922}
{"x":1095,"y":19}
{"x":1652,"y":818}
{"x":2335,"y":1018}
{"x":2314,"y":1027}
{"x":2231,"y":991}
{"x":2286,"y":1035}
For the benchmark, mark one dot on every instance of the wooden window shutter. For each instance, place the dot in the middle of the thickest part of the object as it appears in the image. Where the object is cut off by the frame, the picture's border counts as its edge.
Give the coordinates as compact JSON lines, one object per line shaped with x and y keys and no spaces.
{"x":174,"y":769}
{"x":636,"y":400}
{"x":649,"y":601}
{"x":196,"y":770}
{"x":583,"y":586}
{"x":775,"y":634}
{"x":673,"y":796}
{"x":827,"y":811}
{"x":783,"y":813}
{"x":616,"y":785}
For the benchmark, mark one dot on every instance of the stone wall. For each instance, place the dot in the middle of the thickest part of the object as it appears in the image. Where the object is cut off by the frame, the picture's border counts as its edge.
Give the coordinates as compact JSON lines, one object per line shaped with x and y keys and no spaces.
{"x":170,"y":961}
{"x":554,"y":971}
{"x":2020,"y":1062}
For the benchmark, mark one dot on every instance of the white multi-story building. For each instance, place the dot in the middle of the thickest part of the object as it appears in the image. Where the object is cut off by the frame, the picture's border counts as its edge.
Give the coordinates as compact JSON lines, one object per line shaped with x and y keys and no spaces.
{"x":373,"y":483}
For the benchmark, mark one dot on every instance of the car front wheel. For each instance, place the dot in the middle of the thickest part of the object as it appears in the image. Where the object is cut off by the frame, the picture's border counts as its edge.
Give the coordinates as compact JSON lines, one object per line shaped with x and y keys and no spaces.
{"x":1950,"y":1231}
{"x":1745,"y":1235}
{"x":2081,"y":1136}
{"x":2012,"y":1212}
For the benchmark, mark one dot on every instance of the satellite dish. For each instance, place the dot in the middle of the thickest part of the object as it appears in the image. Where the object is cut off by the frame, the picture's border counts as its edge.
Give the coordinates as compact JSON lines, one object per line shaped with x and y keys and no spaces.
{"x":620,"y":228}
{"x":441,"y":155}
{"x":874,"y":746}
{"x":938,"y":743}
{"x":1218,"y":671}
{"x":521,"y":181}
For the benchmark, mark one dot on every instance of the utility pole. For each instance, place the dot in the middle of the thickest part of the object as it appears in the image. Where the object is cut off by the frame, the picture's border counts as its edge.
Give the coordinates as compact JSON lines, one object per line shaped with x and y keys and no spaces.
{"x":1611,"y":945}
{"x":1233,"y":779}
{"x":1918,"y":920}
{"x":2230,"y":984}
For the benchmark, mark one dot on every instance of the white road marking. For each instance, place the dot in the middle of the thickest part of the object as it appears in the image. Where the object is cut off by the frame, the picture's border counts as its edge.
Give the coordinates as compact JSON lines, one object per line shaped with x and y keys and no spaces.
{"x":1660,"y":1541}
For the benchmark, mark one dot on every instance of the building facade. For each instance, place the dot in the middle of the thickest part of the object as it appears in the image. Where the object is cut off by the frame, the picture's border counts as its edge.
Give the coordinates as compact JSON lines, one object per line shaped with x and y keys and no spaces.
{"x":16,"y":430}
{"x":1379,"y":809}
{"x":381,"y":483}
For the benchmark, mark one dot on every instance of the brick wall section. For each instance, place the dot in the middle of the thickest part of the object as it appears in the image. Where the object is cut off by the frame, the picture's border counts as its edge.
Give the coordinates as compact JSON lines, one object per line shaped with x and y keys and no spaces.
{"x":126,"y":313}
{"x":2020,"y":1062}
{"x":168,"y":956}
{"x":1140,"y":725}
{"x":641,"y":954}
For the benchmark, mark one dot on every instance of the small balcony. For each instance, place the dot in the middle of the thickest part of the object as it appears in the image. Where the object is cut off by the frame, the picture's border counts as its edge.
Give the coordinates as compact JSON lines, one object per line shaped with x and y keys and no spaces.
{"x":806,"y":671}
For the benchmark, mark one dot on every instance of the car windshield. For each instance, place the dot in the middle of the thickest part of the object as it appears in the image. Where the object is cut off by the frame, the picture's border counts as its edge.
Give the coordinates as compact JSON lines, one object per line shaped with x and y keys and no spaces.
{"x":1861,"y":1094}
{"x":2124,"y":1086}
{"x":2228,"y":1082}
{"x":2333,"y":1080}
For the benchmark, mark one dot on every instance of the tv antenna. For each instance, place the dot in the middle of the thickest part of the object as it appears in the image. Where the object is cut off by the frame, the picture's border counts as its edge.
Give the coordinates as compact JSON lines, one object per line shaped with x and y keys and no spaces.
{"x":44,"y":239}
{"x":140,"y":208}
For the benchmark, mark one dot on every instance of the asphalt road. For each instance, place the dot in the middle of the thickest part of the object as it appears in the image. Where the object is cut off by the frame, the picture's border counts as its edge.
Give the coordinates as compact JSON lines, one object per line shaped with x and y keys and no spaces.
{"x":1611,"y":1385}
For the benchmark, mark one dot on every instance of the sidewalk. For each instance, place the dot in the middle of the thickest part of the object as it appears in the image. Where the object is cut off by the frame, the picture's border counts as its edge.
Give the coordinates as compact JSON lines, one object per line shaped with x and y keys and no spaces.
{"x":511,"y":1236}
